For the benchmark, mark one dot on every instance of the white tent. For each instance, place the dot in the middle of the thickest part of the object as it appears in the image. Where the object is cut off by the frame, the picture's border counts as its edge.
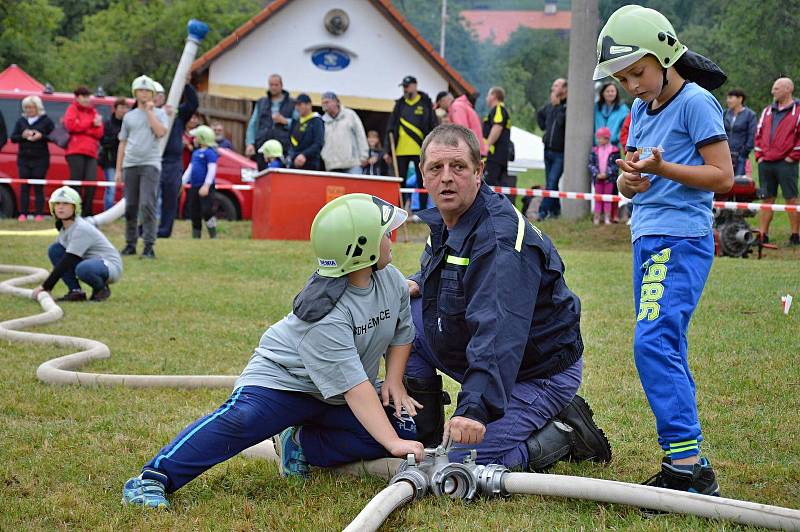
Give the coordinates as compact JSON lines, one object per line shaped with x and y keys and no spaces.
{"x":529,"y":151}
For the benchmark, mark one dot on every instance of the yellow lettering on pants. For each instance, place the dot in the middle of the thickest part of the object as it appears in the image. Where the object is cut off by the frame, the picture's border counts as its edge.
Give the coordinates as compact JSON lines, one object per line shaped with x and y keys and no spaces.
{"x":652,"y":290}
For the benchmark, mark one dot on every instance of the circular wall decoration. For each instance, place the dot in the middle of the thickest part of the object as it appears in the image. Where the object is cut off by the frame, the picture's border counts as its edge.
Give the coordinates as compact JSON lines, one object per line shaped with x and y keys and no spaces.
{"x":336,"y":21}
{"x":330,"y":59}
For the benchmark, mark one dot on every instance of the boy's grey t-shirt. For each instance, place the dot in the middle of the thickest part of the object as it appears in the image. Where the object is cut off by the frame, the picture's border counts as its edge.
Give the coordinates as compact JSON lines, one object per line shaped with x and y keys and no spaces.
{"x":343,"y":349}
{"x":86,"y":241}
{"x":142,"y":148}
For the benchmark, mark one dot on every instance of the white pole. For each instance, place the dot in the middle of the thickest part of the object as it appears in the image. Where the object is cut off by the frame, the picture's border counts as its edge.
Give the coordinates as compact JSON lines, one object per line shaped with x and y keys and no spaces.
{"x":196,"y":32}
{"x":444,"y":26}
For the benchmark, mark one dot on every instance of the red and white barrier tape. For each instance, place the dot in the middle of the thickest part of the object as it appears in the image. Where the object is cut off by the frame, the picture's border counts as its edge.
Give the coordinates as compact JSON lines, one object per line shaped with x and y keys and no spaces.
{"x":615,"y":199}
{"x":72,"y":183}
{"x":779,"y":207}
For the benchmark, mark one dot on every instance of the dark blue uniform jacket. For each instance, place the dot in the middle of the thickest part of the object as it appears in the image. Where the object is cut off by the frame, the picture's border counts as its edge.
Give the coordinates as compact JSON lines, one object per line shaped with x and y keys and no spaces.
{"x":495,"y":305}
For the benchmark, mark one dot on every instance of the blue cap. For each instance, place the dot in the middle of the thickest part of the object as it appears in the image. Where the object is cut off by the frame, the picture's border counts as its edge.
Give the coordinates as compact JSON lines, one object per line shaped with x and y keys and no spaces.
{"x":303,"y":98}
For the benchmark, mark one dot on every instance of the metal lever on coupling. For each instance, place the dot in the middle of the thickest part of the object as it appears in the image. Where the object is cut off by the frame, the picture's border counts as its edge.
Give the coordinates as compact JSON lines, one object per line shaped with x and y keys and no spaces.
{"x":457,"y":481}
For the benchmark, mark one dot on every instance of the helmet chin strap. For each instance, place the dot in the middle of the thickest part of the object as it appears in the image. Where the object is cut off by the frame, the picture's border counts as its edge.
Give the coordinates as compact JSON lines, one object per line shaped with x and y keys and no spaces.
{"x":666,"y":81}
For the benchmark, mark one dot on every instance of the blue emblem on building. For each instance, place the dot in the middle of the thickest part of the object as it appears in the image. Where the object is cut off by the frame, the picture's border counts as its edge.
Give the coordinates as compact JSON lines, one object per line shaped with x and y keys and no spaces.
{"x":330,"y":59}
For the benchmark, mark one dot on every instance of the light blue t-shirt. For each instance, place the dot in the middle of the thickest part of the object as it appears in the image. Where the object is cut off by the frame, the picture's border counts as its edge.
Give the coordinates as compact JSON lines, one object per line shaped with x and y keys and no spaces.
{"x":680,"y":127}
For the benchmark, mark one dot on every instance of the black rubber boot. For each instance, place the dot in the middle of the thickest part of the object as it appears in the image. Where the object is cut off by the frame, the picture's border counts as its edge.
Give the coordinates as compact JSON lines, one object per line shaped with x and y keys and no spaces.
{"x":197,"y":233}
{"x":590,"y":441}
{"x":129,"y":249}
{"x":148,"y":252}
{"x":212,"y":232}
{"x":429,"y":419}
{"x":548,"y":445}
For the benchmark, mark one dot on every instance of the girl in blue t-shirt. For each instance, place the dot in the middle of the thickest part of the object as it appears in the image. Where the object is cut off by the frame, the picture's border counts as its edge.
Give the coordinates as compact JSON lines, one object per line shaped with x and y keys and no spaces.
{"x":200,"y":175}
{"x":677,"y":158}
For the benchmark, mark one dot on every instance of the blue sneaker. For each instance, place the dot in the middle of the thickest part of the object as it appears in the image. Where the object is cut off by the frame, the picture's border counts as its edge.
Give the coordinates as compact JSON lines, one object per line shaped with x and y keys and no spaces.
{"x":144,"y":492}
{"x":293,"y":461}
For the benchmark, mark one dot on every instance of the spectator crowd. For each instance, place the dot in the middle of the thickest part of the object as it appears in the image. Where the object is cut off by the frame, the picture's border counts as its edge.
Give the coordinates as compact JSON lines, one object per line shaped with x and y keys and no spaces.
{"x":286,"y":132}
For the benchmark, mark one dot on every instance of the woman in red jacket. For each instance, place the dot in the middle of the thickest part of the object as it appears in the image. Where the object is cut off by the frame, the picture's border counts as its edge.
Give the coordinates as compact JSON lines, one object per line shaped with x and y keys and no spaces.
{"x":85,"y":127}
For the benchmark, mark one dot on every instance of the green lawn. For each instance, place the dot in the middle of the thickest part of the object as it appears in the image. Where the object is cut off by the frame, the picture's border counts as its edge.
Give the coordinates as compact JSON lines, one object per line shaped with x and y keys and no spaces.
{"x":201,"y":307}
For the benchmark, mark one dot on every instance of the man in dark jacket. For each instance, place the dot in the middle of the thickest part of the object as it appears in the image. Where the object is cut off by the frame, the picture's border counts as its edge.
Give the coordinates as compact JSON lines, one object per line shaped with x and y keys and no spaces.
{"x":307,"y":136}
{"x":110,"y":144}
{"x":518,"y":354}
{"x":272,"y":119}
{"x":411,"y":120}
{"x":172,"y":162}
{"x":740,"y":126}
{"x":552,"y":119}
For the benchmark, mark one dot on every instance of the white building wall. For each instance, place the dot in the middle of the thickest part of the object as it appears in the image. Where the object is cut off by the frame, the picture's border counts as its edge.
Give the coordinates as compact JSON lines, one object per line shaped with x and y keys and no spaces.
{"x":380,"y":56}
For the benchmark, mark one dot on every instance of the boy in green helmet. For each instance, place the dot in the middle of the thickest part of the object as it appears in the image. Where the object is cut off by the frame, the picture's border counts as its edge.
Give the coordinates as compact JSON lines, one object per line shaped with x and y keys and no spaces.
{"x":81,"y":252}
{"x":313,"y":375}
{"x":677,"y":158}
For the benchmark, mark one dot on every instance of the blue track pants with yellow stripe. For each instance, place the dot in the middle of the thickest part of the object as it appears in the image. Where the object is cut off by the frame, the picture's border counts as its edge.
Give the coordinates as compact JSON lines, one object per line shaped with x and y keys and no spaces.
{"x":669,"y":274}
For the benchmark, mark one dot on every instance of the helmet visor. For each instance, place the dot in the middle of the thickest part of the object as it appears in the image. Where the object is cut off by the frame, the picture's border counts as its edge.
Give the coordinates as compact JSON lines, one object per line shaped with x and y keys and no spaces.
{"x":400,"y":216}
{"x":611,"y":66}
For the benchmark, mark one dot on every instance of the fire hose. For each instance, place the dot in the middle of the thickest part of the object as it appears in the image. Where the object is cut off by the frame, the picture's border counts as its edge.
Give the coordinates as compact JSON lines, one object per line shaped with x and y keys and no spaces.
{"x":408,"y":480}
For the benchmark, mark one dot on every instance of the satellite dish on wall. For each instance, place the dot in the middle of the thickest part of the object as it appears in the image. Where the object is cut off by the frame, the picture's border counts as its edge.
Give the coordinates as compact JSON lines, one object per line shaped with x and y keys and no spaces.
{"x":336,"y":21}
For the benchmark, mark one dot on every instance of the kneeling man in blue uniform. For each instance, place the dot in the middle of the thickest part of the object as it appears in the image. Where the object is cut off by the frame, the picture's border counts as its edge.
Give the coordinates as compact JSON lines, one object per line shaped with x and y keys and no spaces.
{"x":492,"y":311}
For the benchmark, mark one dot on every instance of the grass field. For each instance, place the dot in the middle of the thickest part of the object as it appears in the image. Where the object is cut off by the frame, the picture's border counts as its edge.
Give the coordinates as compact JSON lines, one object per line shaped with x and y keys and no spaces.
{"x":201,"y":307}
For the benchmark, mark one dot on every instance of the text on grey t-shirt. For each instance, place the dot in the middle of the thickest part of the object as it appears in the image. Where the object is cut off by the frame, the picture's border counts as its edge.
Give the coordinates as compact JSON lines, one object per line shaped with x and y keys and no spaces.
{"x":343,"y":349}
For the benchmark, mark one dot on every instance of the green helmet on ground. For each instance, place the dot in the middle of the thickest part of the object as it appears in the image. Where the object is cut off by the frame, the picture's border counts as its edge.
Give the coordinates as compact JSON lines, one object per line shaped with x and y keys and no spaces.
{"x":65,"y":195}
{"x":631,"y":33}
{"x":347,"y":232}
{"x":143,"y":83}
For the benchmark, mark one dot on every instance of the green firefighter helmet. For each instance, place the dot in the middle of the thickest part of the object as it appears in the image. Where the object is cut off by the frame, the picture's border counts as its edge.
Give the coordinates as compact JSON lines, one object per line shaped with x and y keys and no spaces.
{"x":65,"y":195}
{"x":631,"y":33}
{"x":346,"y":233}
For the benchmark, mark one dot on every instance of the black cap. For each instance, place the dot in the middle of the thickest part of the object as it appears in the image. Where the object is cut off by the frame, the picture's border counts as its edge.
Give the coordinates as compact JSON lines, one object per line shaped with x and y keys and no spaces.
{"x":441,"y":95}
{"x":302,"y":98}
{"x":408,"y":80}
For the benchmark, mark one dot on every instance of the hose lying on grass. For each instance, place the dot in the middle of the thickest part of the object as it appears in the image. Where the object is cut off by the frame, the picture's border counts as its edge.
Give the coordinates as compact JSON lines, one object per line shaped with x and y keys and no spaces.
{"x":62,"y":370}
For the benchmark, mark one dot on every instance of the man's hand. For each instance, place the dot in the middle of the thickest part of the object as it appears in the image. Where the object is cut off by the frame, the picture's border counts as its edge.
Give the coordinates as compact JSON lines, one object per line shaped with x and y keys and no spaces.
{"x":790,"y":160}
{"x":401,"y":448}
{"x":35,"y":135}
{"x":98,"y":119}
{"x":554,"y":98}
{"x":299,"y":161}
{"x":394,"y":391}
{"x":465,"y":430}
{"x":149,"y":106}
{"x":364,"y":162}
{"x":279,"y":119}
{"x":204,"y":190}
{"x":169,"y":110}
{"x":249,"y":150}
{"x":118,"y":175}
{"x":413,"y":288}
{"x":36,"y":291}
{"x":387,"y":158}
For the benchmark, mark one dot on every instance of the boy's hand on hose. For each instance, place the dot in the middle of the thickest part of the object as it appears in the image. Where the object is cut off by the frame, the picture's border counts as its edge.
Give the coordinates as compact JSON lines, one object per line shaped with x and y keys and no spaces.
{"x":401,"y":448}
{"x":394,"y":391}
{"x":204,"y":191}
